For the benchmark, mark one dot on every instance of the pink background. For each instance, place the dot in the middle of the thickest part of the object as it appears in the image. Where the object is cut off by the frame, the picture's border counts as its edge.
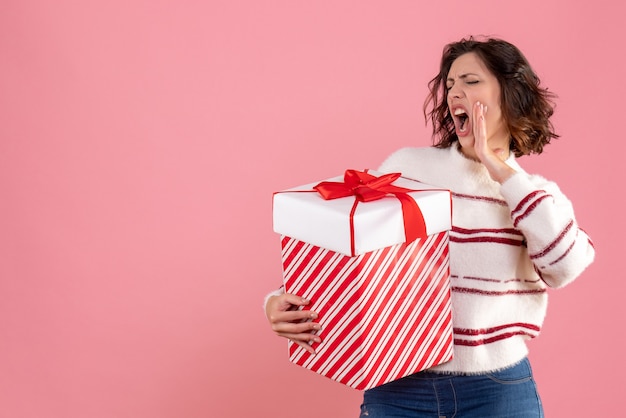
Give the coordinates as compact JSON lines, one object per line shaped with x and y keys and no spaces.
{"x":141,"y":141}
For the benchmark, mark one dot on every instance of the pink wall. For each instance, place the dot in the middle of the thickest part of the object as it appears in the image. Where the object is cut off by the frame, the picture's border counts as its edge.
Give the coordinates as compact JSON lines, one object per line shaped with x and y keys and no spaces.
{"x":140,"y":143}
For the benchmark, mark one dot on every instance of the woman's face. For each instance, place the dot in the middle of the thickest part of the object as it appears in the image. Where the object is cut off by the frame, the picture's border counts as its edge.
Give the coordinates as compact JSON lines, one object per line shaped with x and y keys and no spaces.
{"x":469,"y":81}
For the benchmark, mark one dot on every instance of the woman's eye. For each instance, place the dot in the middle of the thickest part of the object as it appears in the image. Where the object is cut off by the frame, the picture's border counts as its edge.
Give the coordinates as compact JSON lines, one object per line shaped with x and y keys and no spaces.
{"x":472,"y":82}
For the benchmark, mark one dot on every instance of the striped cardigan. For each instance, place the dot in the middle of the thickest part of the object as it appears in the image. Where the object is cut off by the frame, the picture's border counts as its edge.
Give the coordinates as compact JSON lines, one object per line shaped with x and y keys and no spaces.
{"x":508,"y":244}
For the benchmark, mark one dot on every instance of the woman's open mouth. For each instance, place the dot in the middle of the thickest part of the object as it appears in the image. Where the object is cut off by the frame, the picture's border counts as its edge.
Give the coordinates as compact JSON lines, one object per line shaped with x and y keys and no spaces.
{"x":461,"y":120}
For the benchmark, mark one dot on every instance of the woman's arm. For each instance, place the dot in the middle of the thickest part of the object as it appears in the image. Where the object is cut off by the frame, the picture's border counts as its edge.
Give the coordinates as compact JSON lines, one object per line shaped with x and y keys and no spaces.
{"x":558,"y":248}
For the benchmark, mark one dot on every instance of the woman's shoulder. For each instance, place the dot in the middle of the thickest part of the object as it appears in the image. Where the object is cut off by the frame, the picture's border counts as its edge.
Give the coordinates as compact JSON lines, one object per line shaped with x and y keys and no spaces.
{"x":405,"y":158}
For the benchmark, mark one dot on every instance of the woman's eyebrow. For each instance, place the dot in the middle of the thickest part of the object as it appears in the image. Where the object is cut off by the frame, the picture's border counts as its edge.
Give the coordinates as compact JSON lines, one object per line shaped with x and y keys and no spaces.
{"x":463,"y":76}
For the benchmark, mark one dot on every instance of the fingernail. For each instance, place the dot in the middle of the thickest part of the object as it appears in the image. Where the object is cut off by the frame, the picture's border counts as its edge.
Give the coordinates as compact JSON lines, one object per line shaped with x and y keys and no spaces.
{"x":313,"y":315}
{"x":305,"y":301}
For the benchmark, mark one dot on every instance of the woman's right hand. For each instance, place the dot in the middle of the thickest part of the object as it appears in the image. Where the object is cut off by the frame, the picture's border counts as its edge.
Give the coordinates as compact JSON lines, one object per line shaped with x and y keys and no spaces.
{"x":292,"y":323}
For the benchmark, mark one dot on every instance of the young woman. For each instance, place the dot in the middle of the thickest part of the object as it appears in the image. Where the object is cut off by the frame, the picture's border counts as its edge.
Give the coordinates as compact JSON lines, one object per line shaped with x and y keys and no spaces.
{"x":514,"y":235}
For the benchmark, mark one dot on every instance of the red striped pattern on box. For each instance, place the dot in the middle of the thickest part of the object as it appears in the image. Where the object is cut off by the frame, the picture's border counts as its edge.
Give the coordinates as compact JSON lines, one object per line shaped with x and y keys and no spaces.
{"x":384,"y":314}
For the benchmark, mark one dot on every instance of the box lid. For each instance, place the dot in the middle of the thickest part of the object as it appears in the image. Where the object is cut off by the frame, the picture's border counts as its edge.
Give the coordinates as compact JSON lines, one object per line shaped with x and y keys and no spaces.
{"x":302,"y":213}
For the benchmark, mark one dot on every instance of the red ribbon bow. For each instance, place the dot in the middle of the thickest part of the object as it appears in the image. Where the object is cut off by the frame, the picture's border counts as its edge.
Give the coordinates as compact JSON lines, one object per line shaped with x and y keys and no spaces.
{"x":366,"y":188}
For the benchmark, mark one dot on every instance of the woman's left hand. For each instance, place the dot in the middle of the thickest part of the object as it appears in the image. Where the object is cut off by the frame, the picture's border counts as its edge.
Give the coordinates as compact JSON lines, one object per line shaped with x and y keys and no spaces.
{"x":493,"y":160}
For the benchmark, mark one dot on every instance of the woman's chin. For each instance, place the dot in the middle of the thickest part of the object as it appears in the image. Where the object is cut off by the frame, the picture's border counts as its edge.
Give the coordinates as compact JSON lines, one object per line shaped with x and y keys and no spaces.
{"x":466,"y":141}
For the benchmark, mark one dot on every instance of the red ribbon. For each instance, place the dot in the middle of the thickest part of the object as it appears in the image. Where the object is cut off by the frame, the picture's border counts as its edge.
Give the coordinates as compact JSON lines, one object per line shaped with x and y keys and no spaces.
{"x":366,"y":188}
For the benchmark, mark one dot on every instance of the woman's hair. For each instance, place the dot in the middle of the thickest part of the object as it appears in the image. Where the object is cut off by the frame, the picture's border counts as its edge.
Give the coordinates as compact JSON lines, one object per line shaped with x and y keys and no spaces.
{"x":526,"y":107}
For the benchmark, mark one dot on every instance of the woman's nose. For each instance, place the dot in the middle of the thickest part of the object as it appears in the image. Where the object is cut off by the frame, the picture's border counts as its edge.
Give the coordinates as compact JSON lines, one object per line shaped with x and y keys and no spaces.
{"x":455,"y":91}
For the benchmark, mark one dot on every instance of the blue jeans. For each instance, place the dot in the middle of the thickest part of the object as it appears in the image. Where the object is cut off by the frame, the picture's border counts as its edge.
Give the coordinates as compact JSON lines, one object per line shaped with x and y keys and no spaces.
{"x":507,"y":393}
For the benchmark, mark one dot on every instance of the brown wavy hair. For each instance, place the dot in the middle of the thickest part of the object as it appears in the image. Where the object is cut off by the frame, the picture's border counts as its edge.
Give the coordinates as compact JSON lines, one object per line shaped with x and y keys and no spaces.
{"x":526,"y":106}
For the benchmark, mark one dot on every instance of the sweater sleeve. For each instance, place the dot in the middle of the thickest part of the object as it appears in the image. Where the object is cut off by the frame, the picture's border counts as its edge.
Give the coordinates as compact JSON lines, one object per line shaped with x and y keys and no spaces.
{"x":276,"y":292}
{"x":558,"y":248}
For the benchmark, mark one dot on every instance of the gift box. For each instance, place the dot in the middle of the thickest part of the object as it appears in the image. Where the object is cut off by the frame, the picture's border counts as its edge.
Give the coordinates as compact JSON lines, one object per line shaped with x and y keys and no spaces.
{"x":370,"y":251}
